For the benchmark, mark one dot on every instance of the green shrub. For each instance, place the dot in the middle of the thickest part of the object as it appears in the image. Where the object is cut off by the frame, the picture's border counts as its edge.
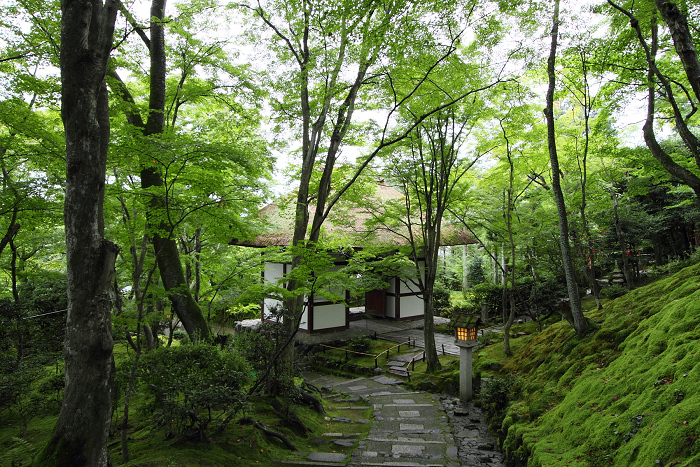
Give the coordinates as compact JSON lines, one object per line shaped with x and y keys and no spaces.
{"x":496,"y":393}
{"x":614,"y":291}
{"x":541,"y":297}
{"x":360,"y":344}
{"x":194,"y":387}
{"x":258,"y":347}
{"x":489,"y":293}
{"x":475,"y":271}
{"x":441,"y":296}
{"x":181,"y":335}
{"x":489,"y":338}
{"x":35,"y":326}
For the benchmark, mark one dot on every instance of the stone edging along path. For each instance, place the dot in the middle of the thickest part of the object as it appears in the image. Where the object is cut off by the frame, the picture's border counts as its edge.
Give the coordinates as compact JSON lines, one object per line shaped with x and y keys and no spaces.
{"x":412,"y":429}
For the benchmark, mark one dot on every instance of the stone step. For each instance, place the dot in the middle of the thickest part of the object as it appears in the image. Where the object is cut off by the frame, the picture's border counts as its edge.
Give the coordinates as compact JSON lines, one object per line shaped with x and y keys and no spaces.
{"x":318,"y":459}
{"x":395,"y":463}
{"x":310,"y":464}
{"x":350,"y":408}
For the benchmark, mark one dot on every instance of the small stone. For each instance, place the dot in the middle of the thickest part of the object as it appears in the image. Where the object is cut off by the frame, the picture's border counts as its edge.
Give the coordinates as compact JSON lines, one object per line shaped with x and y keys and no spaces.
{"x":341,"y":419}
{"x":344,"y":442}
{"x":326,"y":457}
{"x":318,"y":441}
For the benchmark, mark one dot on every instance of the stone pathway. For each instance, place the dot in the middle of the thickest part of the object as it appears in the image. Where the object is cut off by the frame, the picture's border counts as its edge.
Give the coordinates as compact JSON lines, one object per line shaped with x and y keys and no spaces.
{"x":475,"y":445}
{"x":408,"y":430}
{"x":411,"y":429}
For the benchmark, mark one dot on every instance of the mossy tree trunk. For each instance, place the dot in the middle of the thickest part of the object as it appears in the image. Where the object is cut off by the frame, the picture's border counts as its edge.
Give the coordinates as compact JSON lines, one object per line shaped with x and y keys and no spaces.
{"x":80,"y":435}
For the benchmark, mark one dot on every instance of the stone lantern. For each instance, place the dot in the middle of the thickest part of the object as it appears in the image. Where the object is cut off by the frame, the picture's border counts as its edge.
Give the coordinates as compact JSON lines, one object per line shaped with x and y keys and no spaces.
{"x":466,"y":329}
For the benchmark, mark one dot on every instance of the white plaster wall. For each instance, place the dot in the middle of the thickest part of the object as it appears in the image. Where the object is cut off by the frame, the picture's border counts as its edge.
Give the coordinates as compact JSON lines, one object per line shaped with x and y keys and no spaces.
{"x":390,"y":307}
{"x":272,"y":272}
{"x":408,"y":287}
{"x":411,"y":306}
{"x":329,"y":316}
{"x":392,"y":286}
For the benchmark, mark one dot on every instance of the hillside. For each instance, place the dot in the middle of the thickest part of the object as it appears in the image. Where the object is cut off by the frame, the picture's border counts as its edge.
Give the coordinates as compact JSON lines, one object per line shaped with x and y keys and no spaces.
{"x":625,"y":395}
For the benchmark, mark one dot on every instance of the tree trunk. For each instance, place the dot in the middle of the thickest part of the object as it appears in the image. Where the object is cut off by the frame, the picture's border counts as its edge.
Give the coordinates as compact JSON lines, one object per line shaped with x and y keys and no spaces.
{"x":165,"y":246}
{"x":465,"y":270}
{"x":181,"y":299}
{"x":431,"y":357}
{"x":80,"y":435}
{"x":508,"y":322}
{"x":682,"y":41}
{"x":577,"y":319}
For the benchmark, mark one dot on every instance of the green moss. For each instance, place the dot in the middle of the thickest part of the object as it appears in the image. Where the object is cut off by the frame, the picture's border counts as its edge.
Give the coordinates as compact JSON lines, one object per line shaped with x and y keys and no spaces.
{"x":626,"y":395}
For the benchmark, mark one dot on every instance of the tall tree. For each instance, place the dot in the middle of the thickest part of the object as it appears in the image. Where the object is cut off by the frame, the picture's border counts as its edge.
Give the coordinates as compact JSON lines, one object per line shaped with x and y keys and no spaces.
{"x":197,"y":158}
{"x":429,"y":174}
{"x":575,"y":317}
{"x":579,"y":86}
{"x":339,"y":58}
{"x":80,"y":435}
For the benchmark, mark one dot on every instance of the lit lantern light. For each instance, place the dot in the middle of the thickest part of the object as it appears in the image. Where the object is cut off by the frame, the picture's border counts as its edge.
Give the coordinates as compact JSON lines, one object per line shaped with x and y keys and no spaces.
{"x":467,"y":328}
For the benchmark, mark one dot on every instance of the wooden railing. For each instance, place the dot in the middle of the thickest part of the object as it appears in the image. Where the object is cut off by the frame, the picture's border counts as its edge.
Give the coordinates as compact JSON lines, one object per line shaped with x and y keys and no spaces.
{"x":376,"y":356}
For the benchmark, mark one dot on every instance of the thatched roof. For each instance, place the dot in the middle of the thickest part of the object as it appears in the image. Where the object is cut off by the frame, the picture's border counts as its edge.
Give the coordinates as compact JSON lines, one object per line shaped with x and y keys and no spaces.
{"x":351,"y":225}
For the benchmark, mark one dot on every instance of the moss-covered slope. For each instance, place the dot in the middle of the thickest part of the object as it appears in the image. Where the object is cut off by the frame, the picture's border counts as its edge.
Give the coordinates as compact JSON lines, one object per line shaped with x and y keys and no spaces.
{"x":629,"y":394}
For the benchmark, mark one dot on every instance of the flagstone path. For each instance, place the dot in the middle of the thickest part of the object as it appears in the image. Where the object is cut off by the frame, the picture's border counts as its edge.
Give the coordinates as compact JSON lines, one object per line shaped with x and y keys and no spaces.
{"x":410,"y":429}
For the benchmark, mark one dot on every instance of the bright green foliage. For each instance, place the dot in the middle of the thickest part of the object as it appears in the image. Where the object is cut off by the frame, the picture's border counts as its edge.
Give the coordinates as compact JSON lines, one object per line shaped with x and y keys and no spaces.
{"x":194,"y":388}
{"x":625,"y":395}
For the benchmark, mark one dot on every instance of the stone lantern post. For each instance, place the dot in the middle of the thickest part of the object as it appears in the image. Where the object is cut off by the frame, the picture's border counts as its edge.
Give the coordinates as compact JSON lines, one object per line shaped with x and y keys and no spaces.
{"x":466,"y":328}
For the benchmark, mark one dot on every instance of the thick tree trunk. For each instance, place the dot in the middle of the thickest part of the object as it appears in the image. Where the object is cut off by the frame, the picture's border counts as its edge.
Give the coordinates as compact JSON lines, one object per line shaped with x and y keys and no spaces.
{"x":173,"y":277}
{"x":80,"y":435}
{"x":577,"y":319}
